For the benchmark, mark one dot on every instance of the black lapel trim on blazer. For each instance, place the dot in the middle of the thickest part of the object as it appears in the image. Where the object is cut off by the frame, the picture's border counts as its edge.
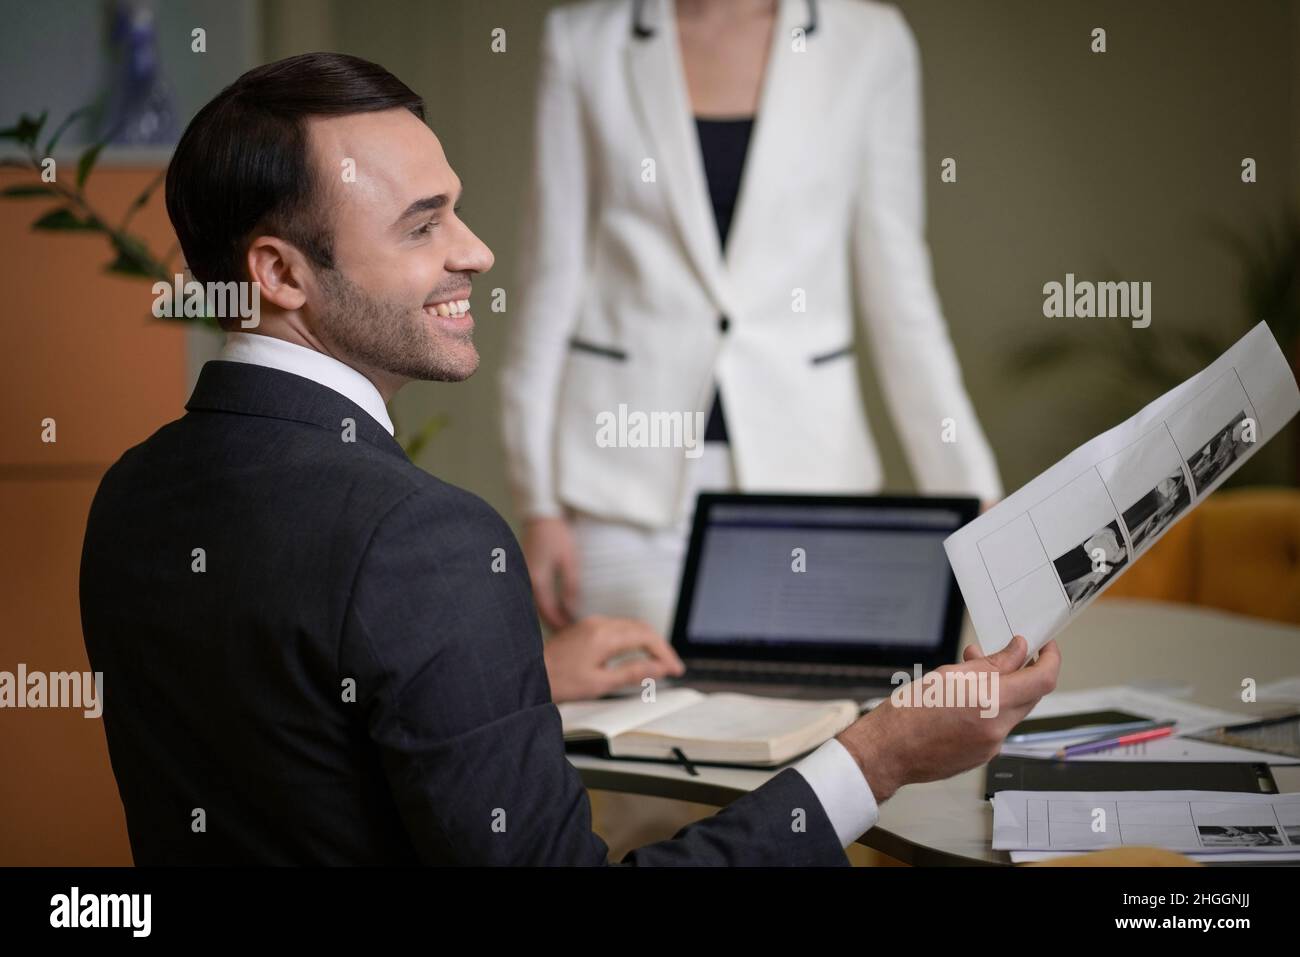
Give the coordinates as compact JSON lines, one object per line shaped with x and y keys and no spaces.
{"x":581,"y":345}
{"x":828,"y":356}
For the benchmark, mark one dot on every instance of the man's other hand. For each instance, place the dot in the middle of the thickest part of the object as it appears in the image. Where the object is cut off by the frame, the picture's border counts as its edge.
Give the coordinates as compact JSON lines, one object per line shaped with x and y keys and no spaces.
{"x":578,"y":657}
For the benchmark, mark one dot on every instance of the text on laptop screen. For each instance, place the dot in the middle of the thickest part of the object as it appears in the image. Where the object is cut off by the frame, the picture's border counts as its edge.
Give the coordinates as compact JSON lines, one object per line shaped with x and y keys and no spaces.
{"x":869,"y":576}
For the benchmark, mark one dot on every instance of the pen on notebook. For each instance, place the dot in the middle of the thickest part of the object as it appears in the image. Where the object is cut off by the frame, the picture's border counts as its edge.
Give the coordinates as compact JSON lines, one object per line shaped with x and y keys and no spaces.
{"x":1117,"y":741}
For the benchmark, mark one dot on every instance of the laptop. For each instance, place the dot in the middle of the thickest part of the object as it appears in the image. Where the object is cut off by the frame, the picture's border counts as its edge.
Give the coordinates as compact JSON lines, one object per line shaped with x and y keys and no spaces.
{"x":817,"y":597}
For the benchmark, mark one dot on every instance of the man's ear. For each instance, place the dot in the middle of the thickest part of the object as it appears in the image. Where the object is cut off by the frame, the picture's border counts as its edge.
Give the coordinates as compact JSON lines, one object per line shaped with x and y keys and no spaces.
{"x":280,"y":269}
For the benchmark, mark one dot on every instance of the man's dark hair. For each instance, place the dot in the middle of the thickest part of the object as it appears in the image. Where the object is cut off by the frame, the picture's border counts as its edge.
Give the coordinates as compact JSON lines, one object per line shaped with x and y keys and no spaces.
{"x":242,"y":163}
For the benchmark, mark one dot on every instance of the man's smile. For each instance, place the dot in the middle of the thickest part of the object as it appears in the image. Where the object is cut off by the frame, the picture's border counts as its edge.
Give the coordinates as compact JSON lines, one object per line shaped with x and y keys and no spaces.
{"x":451,"y":313}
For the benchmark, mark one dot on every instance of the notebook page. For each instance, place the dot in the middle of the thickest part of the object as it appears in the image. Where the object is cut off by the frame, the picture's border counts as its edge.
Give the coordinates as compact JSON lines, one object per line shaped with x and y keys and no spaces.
{"x":613,"y":716}
{"x":737,"y":717}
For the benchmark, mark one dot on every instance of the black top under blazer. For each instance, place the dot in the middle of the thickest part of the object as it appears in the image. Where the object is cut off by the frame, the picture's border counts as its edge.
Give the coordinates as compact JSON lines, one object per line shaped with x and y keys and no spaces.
{"x":341,"y":676}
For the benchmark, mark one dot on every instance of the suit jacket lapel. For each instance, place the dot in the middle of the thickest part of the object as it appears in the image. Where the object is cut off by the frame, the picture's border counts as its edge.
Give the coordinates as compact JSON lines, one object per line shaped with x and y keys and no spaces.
{"x":774,"y":148}
{"x":659,"y":90}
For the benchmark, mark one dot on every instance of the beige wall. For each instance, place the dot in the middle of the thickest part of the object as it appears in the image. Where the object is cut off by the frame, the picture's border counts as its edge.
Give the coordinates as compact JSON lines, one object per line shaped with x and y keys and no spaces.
{"x":1096,"y":164}
{"x":1067,"y":162}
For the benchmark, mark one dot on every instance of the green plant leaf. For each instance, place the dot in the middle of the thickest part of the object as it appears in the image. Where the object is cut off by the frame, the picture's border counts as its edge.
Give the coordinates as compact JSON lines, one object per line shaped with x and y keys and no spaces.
{"x":1270,"y":275}
{"x":87,"y":163}
{"x":63,"y":219}
{"x":126,"y":266}
{"x":138,"y":203}
{"x":416,"y":443}
{"x":133,"y":258}
{"x":62,"y":128}
{"x":25,"y":130}
{"x":27,"y":190}
{"x":1042,"y":354}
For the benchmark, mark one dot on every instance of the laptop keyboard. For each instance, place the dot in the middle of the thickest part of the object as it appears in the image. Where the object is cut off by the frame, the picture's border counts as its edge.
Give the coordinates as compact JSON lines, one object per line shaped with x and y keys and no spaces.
{"x":823,"y":677}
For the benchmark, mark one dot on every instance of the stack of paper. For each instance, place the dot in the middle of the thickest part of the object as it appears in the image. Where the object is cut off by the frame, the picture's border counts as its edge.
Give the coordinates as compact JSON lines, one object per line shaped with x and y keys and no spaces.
{"x":1214,"y":826}
{"x":1191,"y":719}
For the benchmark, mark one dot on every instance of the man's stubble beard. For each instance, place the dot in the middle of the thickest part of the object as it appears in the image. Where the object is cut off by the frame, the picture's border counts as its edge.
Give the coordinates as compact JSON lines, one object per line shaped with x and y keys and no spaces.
{"x":391,"y":337}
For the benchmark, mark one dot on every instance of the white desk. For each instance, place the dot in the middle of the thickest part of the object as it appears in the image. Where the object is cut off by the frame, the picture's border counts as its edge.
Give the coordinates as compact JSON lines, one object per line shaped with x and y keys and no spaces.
{"x":1113,"y":643}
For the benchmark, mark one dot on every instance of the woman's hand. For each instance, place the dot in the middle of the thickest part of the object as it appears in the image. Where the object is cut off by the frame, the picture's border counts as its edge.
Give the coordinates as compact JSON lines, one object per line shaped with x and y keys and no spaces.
{"x":552,"y":559}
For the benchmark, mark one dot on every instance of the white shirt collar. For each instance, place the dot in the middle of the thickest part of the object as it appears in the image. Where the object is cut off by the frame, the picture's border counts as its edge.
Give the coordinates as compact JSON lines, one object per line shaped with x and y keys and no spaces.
{"x":259,"y":350}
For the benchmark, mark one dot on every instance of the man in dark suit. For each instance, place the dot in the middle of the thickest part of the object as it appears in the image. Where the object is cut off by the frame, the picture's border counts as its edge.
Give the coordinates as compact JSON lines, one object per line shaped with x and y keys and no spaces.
{"x":314,"y":651}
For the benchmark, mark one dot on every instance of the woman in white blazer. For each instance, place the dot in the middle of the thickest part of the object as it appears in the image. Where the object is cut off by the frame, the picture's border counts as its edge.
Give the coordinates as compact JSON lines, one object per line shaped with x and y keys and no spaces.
{"x":630,"y":303}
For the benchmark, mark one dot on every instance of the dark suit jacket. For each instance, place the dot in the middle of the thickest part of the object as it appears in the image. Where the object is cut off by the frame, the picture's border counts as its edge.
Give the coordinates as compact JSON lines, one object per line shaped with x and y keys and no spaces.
{"x":340,"y":676}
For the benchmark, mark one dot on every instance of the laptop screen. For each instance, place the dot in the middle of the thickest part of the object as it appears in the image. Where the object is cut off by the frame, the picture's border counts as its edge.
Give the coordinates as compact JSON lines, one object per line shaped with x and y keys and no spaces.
{"x":847,"y":579}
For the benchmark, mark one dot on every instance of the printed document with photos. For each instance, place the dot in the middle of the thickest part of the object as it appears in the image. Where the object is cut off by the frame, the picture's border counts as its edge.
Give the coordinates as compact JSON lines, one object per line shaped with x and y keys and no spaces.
{"x":1199,"y":821}
{"x":1034,"y":561}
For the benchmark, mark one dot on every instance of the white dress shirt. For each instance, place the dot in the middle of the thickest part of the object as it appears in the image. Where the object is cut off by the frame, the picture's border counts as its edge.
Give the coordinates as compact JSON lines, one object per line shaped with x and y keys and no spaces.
{"x":260,"y":350}
{"x":830,"y":771}
{"x":838,"y":783}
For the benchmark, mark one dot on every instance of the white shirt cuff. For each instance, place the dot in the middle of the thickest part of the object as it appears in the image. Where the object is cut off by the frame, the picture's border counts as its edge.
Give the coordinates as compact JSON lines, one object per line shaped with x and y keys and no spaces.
{"x":842,"y":789}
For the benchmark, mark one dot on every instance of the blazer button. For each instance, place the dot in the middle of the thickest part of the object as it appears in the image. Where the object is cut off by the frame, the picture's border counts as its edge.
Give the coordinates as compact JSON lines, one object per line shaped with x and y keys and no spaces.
{"x":724,"y":324}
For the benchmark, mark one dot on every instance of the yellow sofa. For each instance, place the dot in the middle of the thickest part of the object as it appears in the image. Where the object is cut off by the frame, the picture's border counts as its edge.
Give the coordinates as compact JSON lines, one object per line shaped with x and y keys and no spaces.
{"x":1238,"y":551}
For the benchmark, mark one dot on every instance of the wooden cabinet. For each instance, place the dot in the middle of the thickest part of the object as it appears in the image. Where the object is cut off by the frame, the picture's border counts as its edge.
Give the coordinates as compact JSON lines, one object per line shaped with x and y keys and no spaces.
{"x":77,"y":345}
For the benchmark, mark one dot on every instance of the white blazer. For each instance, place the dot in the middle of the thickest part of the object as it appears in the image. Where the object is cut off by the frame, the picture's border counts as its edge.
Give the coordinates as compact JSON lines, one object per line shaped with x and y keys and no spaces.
{"x":623,"y":282}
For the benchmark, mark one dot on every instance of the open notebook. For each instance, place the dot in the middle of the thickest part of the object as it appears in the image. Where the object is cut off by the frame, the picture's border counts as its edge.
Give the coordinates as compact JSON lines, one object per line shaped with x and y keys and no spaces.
{"x":709,"y":728}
